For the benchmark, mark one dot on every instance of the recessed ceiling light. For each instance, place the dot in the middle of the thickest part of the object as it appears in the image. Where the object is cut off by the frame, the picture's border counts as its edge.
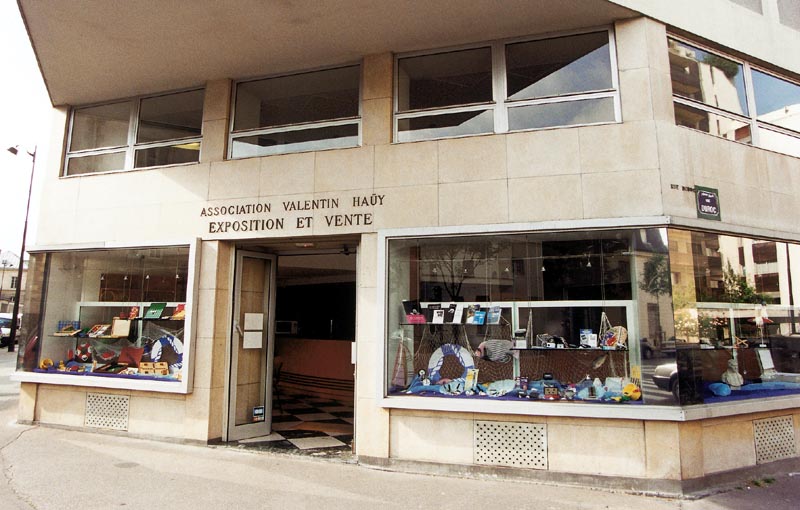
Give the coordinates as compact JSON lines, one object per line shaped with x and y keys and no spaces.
{"x":304,"y":245}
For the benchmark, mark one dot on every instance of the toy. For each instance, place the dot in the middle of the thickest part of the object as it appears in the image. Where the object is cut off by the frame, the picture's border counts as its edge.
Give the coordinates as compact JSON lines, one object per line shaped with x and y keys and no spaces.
{"x":631,"y":392}
{"x":83,"y":353}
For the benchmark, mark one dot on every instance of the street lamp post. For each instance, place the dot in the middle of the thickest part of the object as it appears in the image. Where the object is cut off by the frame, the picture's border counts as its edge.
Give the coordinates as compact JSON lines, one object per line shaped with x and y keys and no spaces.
{"x":5,"y":264}
{"x":15,"y":313}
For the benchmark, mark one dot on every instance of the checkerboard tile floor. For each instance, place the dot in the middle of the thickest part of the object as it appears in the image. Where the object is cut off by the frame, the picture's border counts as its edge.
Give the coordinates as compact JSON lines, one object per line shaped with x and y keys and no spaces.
{"x":305,"y":423}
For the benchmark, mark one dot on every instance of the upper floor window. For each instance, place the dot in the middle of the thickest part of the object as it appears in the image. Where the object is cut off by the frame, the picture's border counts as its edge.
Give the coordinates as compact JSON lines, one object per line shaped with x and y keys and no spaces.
{"x":507,"y":86}
{"x":729,"y":98}
{"x":300,"y":112}
{"x":135,"y":133}
{"x":13,"y":282}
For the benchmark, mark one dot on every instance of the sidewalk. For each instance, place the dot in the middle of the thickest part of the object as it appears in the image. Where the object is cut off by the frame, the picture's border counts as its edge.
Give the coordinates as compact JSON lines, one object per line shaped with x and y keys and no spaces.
{"x":49,"y":468}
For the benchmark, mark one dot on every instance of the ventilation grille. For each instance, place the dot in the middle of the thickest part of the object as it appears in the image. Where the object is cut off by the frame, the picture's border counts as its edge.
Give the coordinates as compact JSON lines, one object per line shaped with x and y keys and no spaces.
{"x":106,"y":411}
{"x":522,"y":445}
{"x":774,"y":439}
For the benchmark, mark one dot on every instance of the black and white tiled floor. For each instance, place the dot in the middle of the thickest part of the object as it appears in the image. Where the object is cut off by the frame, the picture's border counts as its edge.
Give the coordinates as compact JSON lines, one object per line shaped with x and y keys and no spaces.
{"x":307,"y":424}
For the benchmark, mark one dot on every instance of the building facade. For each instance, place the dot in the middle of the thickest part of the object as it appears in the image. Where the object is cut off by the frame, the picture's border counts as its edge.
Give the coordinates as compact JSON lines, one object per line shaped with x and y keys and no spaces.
{"x":557,"y":244}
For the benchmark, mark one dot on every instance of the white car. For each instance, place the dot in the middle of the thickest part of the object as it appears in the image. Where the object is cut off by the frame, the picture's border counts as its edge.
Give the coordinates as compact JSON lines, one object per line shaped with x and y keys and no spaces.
{"x":5,"y":328}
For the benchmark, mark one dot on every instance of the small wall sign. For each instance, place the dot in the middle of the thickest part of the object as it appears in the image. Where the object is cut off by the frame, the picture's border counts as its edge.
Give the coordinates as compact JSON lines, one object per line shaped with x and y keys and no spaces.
{"x":258,"y":413}
{"x":707,"y":200}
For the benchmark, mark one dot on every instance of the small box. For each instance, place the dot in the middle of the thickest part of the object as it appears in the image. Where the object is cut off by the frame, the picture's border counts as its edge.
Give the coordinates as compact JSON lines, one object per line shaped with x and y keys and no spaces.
{"x":161,"y":368}
{"x":146,"y":368}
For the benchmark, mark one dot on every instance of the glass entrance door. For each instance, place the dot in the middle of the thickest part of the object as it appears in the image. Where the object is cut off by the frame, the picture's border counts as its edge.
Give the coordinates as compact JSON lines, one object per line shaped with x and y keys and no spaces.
{"x":252,"y":346}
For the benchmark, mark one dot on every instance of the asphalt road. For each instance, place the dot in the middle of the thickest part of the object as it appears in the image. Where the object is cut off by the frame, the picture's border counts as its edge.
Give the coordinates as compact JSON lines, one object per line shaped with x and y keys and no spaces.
{"x":50,"y":468}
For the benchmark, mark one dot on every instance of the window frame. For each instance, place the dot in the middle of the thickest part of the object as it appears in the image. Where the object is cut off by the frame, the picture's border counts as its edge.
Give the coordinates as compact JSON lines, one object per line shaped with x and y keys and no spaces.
{"x":751,"y":119}
{"x":131,"y":146}
{"x":501,"y":104}
{"x":299,"y":126}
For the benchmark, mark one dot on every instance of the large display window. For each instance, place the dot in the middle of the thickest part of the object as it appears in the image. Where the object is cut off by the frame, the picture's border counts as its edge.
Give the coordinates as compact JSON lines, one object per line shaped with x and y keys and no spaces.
{"x":568,"y":316}
{"x":736,"y":321}
{"x":651,"y":316}
{"x":116,"y":318}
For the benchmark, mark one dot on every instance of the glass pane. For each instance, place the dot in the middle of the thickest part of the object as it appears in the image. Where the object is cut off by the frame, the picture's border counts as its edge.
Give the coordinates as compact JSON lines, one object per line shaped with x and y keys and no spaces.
{"x":172,"y":116}
{"x":330,"y":137}
{"x":100,"y":126}
{"x":779,"y":142}
{"x":774,"y":100}
{"x":97,"y":163}
{"x":526,"y":311}
{"x":712,"y":123}
{"x":104,"y":294}
{"x":445,"y":79}
{"x":707,"y":77}
{"x":308,"y":97}
{"x":568,"y":113}
{"x":737,"y":330}
{"x":441,"y":126}
{"x":173,"y":155}
{"x":564,"y":65}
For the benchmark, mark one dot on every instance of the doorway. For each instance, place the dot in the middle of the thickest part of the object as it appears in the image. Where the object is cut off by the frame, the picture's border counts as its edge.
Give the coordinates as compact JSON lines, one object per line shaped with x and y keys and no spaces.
{"x":308,"y":381}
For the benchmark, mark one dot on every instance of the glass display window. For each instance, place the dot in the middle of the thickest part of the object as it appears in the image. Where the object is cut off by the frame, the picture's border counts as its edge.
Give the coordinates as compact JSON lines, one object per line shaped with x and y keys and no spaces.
{"x":121,"y":315}
{"x":529,"y":317}
{"x":736,"y":322}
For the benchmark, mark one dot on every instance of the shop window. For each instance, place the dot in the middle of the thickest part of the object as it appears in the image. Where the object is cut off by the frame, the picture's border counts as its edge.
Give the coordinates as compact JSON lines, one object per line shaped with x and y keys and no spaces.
{"x":299,"y":112}
{"x":737,"y":332}
{"x":559,"y":81}
{"x":528,"y":317}
{"x":136,"y":133}
{"x":711,"y":95}
{"x":118,"y":314}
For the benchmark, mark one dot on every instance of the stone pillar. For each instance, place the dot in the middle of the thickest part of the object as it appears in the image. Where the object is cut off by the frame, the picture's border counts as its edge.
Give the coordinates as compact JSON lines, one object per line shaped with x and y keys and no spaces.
{"x":216,"y":112}
{"x":644,"y":76}
{"x":376,"y":104}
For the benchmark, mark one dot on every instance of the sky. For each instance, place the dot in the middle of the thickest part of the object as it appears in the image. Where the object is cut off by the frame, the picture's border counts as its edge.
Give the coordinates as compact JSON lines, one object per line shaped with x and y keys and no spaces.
{"x":25,"y":121}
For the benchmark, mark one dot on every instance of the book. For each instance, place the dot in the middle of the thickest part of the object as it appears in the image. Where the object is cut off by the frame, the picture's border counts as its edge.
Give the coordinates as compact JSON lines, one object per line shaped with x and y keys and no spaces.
{"x":479,"y":317}
{"x":438,"y":316}
{"x":120,"y":328}
{"x":450,"y":313}
{"x":155,"y":311}
{"x":133,"y":313}
{"x":429,"y":312}
{"x":458,"y":315}
{"x":471,"y":309}
{"x":493,"y":315}
{"x":98,"y":330}
{"x":413,"y":312}
{"x":180,"y":312}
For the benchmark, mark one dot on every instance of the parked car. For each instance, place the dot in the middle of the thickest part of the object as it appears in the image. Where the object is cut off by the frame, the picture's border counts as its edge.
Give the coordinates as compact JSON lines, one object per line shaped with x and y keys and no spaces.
{"x":666,"y":377}
{"x":5,"y":329}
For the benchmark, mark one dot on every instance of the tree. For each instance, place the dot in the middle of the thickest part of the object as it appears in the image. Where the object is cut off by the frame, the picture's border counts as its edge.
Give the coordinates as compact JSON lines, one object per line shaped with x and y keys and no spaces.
{"x":656,"y":277}
{"x":737,"y":288}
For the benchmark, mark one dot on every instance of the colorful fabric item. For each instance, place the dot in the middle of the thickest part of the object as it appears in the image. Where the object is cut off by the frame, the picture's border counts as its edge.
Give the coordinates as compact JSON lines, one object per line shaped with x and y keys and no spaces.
{"x":437,"y":359}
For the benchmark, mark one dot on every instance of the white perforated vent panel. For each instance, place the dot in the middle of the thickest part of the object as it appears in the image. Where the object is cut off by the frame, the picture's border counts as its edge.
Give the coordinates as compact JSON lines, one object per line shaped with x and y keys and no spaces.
{"x":106,"y":411}
{"x":522,"y":445}
{"x":774,"y":439}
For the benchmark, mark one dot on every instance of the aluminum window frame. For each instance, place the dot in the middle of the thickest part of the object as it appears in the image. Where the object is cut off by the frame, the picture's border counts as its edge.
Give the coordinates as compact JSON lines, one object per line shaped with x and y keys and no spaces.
{"x":299,"y":126}
{"x":131,"y":146}
{"x":751,"y":119}
{"x":501,"y":104}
